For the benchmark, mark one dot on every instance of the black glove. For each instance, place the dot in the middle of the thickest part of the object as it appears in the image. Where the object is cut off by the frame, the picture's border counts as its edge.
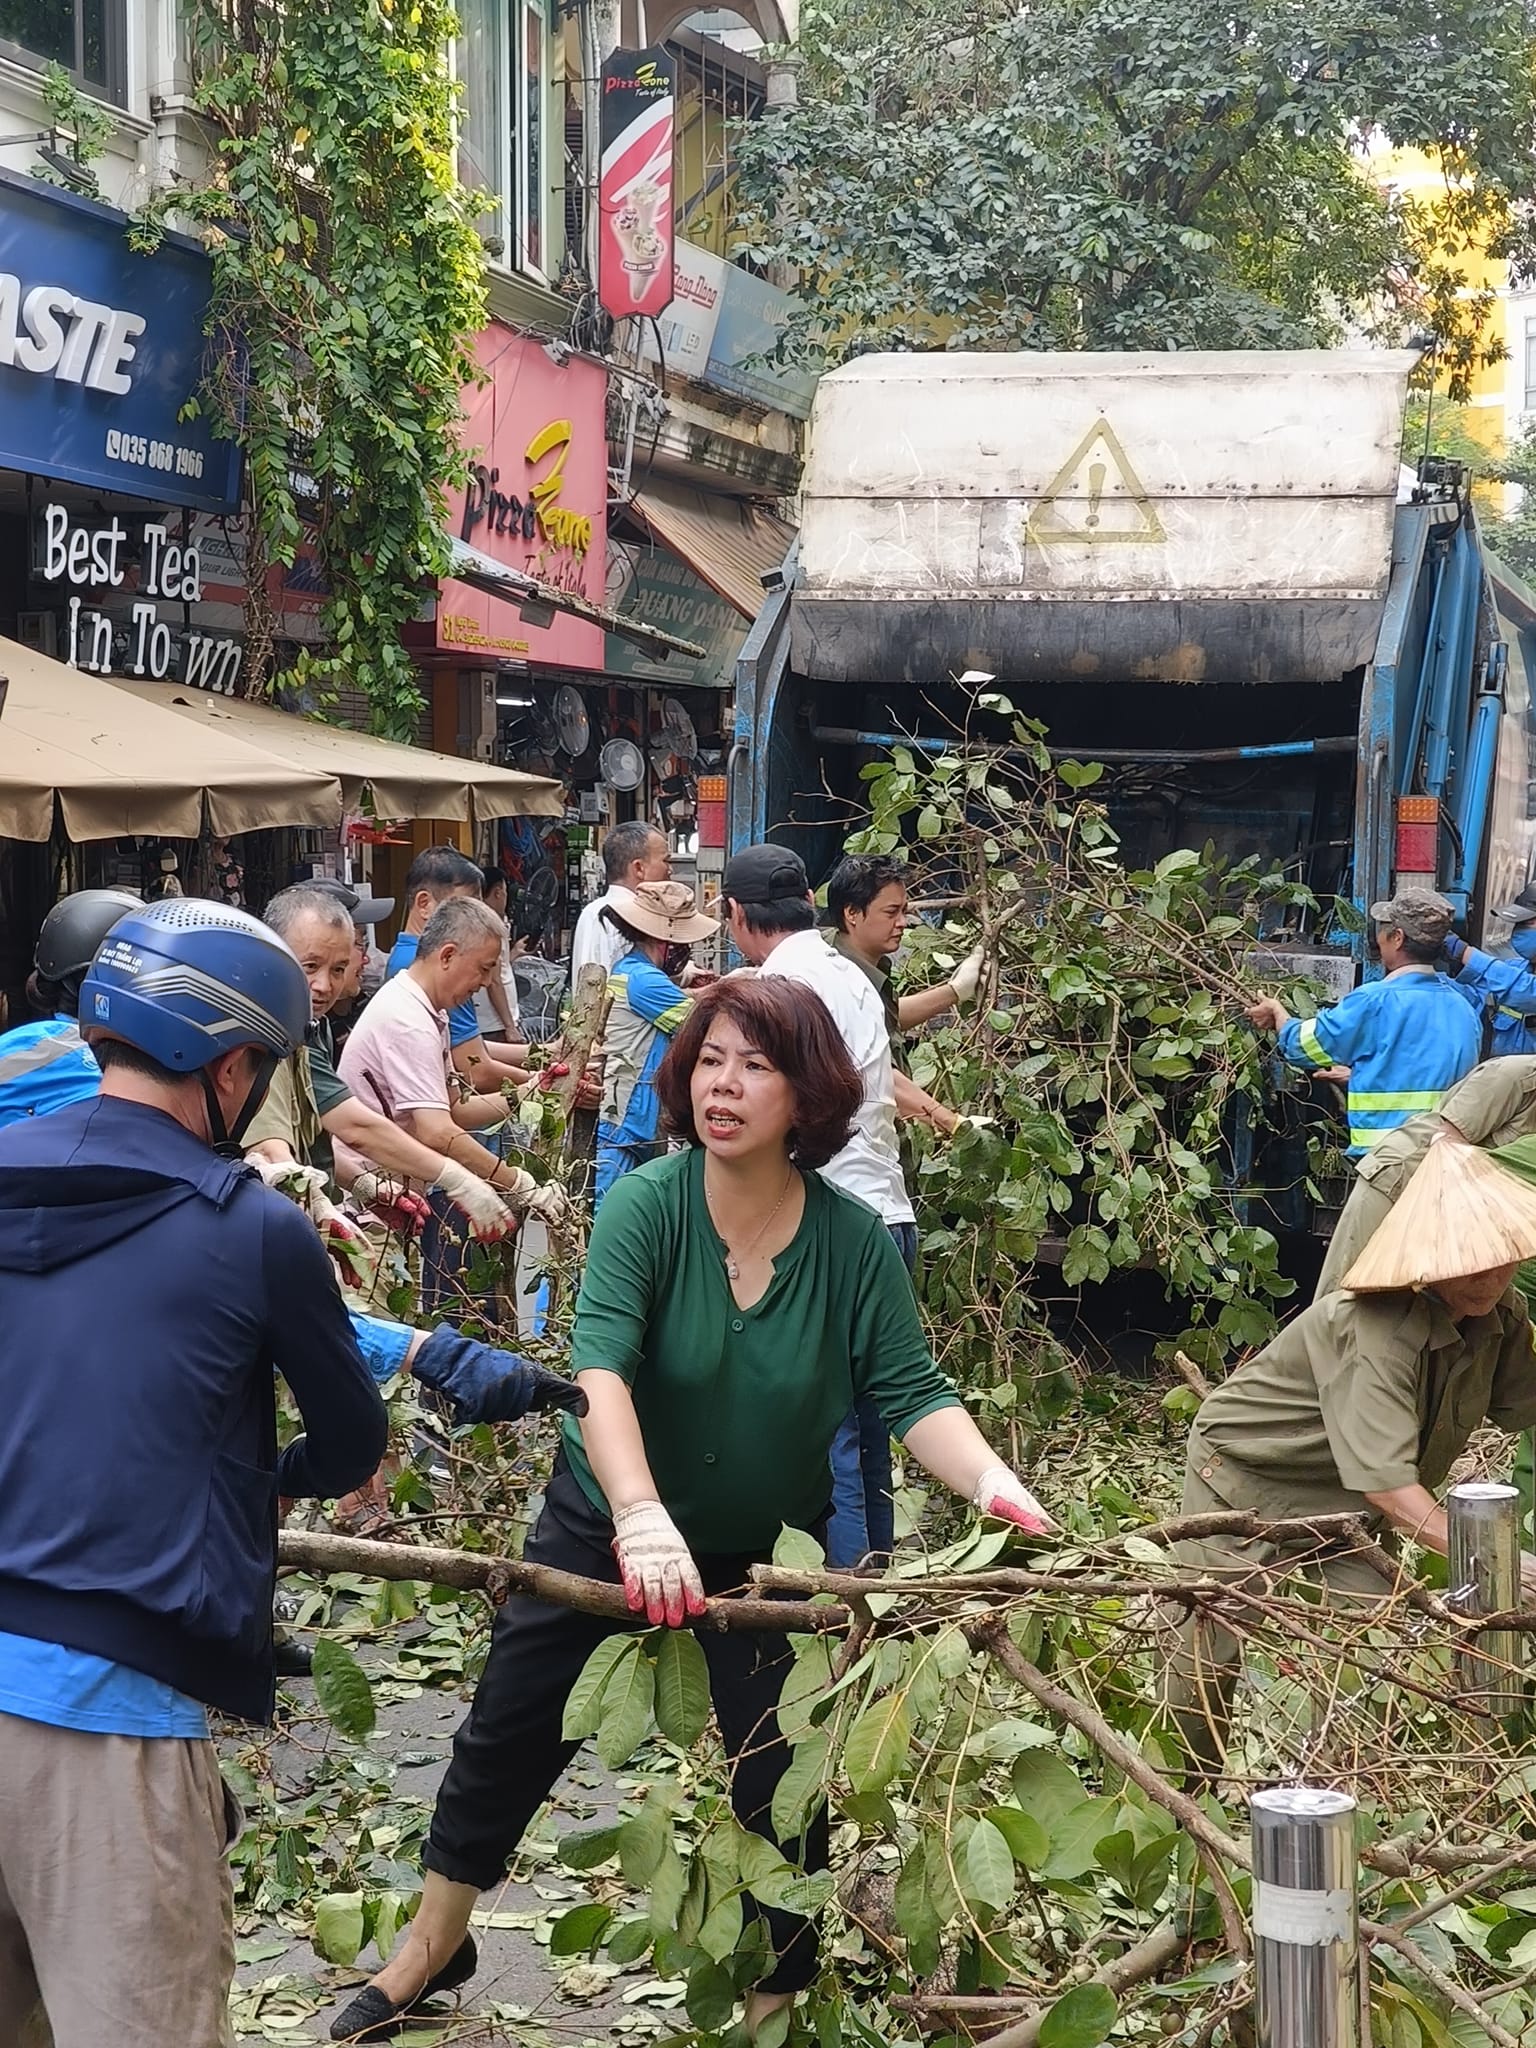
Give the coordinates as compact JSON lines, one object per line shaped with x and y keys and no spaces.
{"x":486,"y":1385}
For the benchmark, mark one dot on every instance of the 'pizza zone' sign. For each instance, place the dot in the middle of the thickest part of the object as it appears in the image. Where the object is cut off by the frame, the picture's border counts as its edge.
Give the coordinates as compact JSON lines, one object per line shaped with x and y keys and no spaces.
{"x":131,"y":638}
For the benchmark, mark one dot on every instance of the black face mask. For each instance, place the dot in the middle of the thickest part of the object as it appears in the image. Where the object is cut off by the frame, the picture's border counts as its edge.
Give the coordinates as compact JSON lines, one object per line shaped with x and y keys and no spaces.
{"x":677,"y":959}
{"x":226,"y":1139}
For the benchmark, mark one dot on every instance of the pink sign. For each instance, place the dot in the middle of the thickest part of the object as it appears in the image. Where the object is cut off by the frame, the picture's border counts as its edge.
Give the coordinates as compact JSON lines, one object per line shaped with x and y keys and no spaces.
{"x":537,"y":500}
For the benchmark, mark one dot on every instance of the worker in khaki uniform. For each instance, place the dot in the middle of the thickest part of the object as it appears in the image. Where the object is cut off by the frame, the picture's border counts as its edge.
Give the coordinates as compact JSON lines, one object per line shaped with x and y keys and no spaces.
{"x":1362,"y":1406}
{"x":1493,"y":1105}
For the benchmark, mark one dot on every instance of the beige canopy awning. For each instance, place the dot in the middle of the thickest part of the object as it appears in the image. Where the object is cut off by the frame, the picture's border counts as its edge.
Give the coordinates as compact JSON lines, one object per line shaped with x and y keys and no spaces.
{"x":727,"y":542}
{"x":401,"y":781}
{"x":117,"y":768}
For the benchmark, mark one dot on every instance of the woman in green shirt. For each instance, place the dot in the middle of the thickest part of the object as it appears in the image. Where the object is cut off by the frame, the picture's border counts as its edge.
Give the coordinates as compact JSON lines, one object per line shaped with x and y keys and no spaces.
{"x":734,"y":1305}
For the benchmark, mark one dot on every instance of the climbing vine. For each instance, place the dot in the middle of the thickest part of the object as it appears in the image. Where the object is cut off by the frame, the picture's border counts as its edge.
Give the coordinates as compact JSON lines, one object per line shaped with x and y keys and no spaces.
{"x":347,"y":278}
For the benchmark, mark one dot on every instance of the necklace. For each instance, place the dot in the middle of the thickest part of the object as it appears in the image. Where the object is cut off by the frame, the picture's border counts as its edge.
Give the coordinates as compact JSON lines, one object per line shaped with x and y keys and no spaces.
{"x":732,"y":1262}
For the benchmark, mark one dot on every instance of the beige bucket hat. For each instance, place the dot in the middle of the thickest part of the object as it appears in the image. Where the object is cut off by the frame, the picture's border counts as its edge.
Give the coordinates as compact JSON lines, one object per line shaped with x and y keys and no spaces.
{"x":1461,"y":1213}
{"x":663,"y":910}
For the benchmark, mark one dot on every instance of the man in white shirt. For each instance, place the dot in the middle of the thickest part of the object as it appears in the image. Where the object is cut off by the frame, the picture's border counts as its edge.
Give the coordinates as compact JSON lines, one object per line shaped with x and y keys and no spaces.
{"x":772,"y":921}
{"x":632,"y":854}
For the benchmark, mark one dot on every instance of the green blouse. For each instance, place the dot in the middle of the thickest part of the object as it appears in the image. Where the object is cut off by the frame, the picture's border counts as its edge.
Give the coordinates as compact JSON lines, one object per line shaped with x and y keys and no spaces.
{"x":738,"y":1406}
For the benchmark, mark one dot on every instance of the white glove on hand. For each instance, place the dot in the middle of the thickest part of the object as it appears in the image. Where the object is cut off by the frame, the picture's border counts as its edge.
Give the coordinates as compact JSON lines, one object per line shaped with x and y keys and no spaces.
{"x":488,"y":1214}
{"x":656,"y":1565}
{"x":370,"y":1187}
{"x":966,"y":978}
{"x":546,"y":1199}
{"x":306,"y":1186}
{"x":999,"y":1494}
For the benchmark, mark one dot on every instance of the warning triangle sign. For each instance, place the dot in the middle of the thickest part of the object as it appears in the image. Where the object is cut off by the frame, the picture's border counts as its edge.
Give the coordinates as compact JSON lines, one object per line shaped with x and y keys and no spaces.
{"x":1095,"y":499}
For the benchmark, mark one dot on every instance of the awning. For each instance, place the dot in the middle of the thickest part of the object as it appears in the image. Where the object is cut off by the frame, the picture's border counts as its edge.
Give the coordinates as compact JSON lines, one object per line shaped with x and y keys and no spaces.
{"x":117,"y":768}
{"x":400,"y":781}
{"x":499,"y":579}
{"x":727,"y":542}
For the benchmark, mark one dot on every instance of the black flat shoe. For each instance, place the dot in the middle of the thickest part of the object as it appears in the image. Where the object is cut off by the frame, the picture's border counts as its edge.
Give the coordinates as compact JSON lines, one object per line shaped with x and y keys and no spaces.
{"x":373,"y":2016}
{"x":291,"y":1658}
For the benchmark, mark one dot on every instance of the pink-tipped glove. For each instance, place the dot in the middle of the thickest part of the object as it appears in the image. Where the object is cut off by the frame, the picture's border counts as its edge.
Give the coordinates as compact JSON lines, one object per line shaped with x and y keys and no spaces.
{"x":999,"y":1494}
{"x":656,"y":1565}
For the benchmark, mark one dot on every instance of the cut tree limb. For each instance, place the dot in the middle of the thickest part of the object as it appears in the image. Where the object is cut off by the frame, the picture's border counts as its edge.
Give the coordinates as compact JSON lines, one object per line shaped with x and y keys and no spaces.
{"x":1139,"y":1965}
{"x":474,"y":1571}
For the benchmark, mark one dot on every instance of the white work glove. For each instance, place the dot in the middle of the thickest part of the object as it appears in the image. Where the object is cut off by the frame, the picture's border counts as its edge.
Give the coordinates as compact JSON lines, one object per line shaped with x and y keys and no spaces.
{"x":656,"y":1565}
{"x":999,"y":1494}
{"x":966,"y":978}
{"x":488,"y":1214}
{"x":306,"y":1186}
{"x":545,"y":1199}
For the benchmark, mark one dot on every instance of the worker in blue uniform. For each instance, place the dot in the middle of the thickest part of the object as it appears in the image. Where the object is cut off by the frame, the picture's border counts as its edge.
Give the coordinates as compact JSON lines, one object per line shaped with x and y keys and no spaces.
{"x":1403,"y":1039}
{"x":1502,"y":991}
{"x":46,"y":1064}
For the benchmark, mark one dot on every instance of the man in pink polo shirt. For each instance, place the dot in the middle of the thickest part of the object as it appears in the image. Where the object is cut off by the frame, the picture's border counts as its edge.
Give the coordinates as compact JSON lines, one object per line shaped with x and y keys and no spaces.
{"x":398,"y":1059}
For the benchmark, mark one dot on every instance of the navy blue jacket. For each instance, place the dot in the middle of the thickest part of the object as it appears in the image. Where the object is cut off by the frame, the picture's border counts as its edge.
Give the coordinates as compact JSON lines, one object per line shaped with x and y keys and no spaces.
{"x":148,"y":1292}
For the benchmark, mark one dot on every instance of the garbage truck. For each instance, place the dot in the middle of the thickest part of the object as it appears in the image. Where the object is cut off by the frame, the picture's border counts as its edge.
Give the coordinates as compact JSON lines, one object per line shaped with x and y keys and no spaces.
{"x":1209,"y":571}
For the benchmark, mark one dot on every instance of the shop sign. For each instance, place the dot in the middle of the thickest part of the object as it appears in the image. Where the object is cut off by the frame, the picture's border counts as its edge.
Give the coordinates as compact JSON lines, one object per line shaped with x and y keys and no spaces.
{"x":634,"y":247}
{"x":721,"y":329}
{"x":101,"y":350}
{"x":537,"y":499}
{"x":655,"y":587}
{"x":751,"y":316}
{"x":127,"y":636}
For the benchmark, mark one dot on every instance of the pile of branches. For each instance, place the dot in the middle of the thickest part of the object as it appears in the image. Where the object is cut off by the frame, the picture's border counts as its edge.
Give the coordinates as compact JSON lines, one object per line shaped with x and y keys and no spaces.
{"x":1013,"y":1838}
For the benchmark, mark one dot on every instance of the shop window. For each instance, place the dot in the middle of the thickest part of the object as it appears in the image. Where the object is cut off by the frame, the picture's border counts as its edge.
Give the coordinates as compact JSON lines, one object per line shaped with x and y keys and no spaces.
{"x":88,"y":37}
{"x":503,"y":66}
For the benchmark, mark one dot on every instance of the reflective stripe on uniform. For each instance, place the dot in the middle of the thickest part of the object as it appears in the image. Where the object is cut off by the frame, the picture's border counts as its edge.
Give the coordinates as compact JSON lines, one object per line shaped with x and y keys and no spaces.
{"x":1311,"y":1044}
{"x":1415,"y":1101}
{"x":42,"y":1052}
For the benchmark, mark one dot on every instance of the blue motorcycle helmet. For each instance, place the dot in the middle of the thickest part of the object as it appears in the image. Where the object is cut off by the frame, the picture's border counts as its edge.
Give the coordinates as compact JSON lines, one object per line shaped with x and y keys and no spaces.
{"x":186,"y":981}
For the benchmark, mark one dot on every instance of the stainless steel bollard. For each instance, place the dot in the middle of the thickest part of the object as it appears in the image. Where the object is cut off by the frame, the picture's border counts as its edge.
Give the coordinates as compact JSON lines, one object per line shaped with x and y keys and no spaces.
{"x":1305,"y":1918}
{"x":1484,"y":1519}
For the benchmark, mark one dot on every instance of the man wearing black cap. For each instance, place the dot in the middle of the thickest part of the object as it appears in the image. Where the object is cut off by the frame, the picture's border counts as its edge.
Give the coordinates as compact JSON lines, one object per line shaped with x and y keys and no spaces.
{"x":367,"y":913}
{"x":772,"y":923}
{"x":1502,"y":990}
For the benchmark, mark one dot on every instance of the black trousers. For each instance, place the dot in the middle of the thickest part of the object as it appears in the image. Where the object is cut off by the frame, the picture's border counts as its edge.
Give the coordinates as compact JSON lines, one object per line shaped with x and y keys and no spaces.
{"x":509,"y":1753}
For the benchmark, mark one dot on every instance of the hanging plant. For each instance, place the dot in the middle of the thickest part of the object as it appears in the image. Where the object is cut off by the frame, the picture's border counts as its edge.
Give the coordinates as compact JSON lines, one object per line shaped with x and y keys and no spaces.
{"x":347,"y":281}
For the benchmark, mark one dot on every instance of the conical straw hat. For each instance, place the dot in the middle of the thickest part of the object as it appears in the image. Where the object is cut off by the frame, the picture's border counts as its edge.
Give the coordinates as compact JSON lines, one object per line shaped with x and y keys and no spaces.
{"x":1461,"y":1213}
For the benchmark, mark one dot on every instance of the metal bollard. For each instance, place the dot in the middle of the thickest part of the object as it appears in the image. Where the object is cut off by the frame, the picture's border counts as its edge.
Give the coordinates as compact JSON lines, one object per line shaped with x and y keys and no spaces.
{"x":1484,"y":1519}
{"x":1305,"y":1918}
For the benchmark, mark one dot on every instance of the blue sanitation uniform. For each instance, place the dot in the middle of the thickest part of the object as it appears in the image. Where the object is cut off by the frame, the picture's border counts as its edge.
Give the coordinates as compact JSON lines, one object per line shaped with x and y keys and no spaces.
{"x":152,"y":1290}
{"x":43,"y":1067}
{"x":647,"y":1008}
{"x":1502,"y":991}
{"x":1405,"y":1039}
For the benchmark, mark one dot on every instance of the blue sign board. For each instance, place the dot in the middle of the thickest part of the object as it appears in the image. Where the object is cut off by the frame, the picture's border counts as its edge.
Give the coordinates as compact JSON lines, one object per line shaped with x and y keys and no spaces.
{"x":100,"y":349}
{"x":752,"y":315}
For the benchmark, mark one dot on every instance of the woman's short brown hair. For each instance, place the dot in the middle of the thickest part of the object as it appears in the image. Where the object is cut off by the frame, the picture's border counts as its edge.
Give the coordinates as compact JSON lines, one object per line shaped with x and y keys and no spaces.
{"x":791,"y":1026}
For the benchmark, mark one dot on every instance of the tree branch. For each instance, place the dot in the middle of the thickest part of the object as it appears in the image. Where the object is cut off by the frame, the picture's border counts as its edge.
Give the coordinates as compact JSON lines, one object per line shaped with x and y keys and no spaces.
{"x":1138,"y":1965}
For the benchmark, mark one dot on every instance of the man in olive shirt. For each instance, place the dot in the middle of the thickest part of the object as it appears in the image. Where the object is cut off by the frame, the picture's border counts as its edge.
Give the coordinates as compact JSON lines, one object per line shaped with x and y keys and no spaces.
{"x":1362,"y":1406}
{"x":1493,"y":1105}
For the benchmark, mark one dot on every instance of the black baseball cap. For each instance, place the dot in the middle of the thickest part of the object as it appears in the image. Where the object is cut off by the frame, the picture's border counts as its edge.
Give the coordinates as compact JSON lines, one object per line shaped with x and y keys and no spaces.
{"x":361,"y":909}
{"x":1522,"y":910}
{"x":764,"y":874}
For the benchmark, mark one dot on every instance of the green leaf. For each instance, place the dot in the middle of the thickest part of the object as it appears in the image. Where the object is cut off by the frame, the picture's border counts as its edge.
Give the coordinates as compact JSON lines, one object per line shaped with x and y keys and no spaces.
{"x":795,"y":1551}
{"x":629,"y":1941}
{"x":338,"y":1934}
{"x":1080,"y":2020}
{"x":682,"y":1687}
{"x":342,"y":1688}
{"x":578,"y":1932}
{"x":802,"y":1786}
{"x":583,"y":1705}
{"x":986,"y":1867}
{"x":877,"y":1744}
{"x":1046,"y":1786}
{"x":642,"y":1842}
{"x":586,"y":1848}
{"x":711,"y":1997}
{"x":669,"y":1887}
{"x":1075,"y":1838}
{"x":1027,"y":1841}
{"x":626,"y":1708}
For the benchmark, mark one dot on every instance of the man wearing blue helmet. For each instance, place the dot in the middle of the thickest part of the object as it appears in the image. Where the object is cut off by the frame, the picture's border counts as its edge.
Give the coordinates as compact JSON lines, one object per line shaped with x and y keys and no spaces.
{"x":152,"y":1289}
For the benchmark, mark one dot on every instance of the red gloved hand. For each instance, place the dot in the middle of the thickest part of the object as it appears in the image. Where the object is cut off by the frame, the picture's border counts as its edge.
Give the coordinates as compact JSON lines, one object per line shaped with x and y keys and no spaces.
{"x":1000,"y":1494}
{"x":405,"y":1212}
{"x":555,"y":1071}
{"x":656,"y":1565}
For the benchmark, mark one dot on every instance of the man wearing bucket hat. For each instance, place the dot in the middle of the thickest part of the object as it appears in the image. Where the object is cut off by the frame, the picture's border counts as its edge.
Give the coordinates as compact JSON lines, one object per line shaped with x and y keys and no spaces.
{"x":1362,"y":1405}
{"x":1405,"y":1038}
{"x":656,"y":922}
{"x":1502,"y":991}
